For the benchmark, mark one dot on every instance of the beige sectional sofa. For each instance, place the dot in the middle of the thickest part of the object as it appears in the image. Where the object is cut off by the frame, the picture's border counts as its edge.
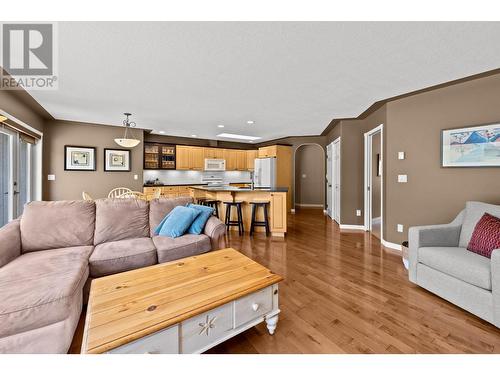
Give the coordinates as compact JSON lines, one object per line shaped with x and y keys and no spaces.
{"x":49,"y":257}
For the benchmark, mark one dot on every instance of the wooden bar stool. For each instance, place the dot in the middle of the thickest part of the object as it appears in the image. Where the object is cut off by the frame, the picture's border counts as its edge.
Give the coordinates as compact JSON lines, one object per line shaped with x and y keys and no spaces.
{"x":233,"y":223}
{"x":214,"y":203}
{"x":255,"y":223}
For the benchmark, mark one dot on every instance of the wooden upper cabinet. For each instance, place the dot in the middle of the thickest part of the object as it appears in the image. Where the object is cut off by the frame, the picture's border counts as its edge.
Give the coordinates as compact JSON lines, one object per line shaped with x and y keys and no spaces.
{"x":182,"y":157}
{"x":197,"y":159}
{"x":241,"y":160}
{"x":268,"y":152}
{"x":210,"y":153}
{"x":251,"y":156}
{"x":231,"y":159}
{"x":190,"y":158}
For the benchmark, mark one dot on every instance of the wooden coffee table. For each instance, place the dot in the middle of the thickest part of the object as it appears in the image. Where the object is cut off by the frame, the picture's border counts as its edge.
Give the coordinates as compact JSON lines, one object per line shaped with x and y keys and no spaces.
{"x":186,"y":306}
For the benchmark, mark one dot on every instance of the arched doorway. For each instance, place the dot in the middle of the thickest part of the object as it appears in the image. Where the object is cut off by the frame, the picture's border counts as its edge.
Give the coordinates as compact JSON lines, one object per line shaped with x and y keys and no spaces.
{"x":309,"y":176}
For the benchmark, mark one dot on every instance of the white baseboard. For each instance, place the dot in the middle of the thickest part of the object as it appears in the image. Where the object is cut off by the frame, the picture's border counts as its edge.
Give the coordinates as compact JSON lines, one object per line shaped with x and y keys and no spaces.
{"x":390,"y":245}
{"x":292,"y":210}
{"x":353,"y":227}
{"x":308,"y":205}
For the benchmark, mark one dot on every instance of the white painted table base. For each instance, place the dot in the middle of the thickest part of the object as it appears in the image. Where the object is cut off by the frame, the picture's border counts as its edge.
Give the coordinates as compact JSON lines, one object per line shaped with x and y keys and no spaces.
{"x":204,"y":331}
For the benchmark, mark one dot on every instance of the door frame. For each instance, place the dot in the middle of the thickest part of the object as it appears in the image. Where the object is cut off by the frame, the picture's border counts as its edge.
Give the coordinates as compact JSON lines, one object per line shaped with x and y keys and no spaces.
{"x":13,"y":138}
{"x":335,"y":143}
{"x":294,"y":156}
{"x":368,"y":165}
{"x":329,"y":171}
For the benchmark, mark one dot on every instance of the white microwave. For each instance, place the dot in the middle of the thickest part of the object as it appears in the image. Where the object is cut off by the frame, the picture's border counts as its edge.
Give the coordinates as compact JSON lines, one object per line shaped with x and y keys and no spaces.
{"x":215,"y":165}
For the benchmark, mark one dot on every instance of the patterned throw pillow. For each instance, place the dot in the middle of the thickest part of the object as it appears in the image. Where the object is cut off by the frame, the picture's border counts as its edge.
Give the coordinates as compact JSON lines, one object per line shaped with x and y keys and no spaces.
{"x":486,"y":236}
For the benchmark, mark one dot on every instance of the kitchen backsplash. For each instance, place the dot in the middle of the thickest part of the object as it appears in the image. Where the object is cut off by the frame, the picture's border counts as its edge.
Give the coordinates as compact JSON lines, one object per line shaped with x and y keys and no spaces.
{"x":195,"y":177}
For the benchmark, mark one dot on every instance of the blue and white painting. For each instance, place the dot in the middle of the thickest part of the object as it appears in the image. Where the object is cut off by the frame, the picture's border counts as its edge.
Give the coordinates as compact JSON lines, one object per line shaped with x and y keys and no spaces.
{"x":477,"y":146}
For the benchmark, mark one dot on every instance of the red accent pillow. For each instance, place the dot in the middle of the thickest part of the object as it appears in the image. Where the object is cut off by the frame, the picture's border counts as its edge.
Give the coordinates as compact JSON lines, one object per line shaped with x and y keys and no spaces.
{"x":486,"y":236}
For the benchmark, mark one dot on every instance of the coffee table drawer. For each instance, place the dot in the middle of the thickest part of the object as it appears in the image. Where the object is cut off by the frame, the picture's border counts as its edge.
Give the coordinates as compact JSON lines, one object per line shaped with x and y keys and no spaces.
{"x":162,"y":342}
{"x":204,"y":329}
{"x":253,"y":306}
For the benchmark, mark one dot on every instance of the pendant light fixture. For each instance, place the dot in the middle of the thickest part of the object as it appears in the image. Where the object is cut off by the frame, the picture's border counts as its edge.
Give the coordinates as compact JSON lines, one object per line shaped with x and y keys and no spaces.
{"x":127,"y":141}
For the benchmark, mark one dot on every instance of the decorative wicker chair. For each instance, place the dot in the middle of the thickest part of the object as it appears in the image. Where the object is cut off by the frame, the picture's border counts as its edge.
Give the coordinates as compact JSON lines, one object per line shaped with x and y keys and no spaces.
{"x":86,"y":196}
{"x":157,"y":193}
{"x":133,"y":195}
{"x":116,"y":192}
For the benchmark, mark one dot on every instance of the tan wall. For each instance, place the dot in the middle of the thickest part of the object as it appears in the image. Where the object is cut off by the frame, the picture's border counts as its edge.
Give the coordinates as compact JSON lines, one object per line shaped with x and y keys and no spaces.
{"x":70,"y":184}
{"x":22,"y":106}
{"x":309,"y":175}
{"x":434,"y":194}
{"x":352,"y":164}
{"x":376,"y":180}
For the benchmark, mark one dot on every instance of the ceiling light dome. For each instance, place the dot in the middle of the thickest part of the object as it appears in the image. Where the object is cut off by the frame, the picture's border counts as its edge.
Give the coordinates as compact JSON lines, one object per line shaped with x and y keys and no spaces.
{"x":127,"y":141}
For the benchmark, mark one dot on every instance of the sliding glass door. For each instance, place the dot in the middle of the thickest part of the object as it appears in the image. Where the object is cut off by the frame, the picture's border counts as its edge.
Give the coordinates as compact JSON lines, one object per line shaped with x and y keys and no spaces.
{"x":16,"y":174}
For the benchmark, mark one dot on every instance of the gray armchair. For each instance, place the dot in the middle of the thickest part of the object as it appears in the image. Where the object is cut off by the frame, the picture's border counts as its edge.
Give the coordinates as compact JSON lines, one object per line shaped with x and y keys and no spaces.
{"x":440,"y":262}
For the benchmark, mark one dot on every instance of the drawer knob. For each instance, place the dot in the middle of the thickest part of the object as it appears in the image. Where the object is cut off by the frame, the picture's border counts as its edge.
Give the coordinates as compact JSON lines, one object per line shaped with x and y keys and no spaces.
{"x":255,"y":306}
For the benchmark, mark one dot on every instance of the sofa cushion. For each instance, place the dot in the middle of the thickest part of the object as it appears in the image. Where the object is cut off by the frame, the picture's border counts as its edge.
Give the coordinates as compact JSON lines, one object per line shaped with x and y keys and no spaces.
{"x":177,"y":222}
{"x":160,"y":207}
{"x":486,"y":236}
{"x":459,"y":263}
{"x":181,"y":247}
{"x":39,"y":288}
{"x":57,"y":224}
{"x":119,"y":256}
{"x":473,"y":212}
{"x":120,"y":219}
{"x":199,"y":223}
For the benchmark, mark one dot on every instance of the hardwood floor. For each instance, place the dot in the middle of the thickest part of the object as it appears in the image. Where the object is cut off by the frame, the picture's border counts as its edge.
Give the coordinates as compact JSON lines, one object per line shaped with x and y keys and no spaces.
{"x":344,"y":293}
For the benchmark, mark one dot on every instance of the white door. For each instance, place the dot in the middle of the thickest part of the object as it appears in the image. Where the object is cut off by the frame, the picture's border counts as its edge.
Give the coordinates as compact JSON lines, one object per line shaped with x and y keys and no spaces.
{"x":336,"y":180}
{"x":15,"y":174}
{"x":329,"y":164}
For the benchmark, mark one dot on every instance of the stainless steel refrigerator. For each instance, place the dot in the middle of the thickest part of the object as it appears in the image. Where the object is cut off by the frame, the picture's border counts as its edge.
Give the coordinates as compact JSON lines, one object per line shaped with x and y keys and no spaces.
{"x":264,"y":173}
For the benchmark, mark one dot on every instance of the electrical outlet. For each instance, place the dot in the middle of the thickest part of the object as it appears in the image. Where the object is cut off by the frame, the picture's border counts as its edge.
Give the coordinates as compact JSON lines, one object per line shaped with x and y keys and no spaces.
{"x":51,"y":177}
{"x":400,"y":228}
{"x":402,"y":178}
{"x":136,"y":177}
{"x":401,"y":155}
{"x":358,"y":212}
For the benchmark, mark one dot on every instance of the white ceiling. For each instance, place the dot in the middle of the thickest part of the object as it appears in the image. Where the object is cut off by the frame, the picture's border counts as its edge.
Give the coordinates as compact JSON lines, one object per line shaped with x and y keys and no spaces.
{"x":290,"y":78}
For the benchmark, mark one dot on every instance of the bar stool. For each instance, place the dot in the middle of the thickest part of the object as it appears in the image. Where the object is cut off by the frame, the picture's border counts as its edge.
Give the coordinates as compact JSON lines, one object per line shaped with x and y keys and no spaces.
{"x":232,"y":223}
{"x":255,"y":223}
{"x":214,"y":203}
{"x":201,"y":201}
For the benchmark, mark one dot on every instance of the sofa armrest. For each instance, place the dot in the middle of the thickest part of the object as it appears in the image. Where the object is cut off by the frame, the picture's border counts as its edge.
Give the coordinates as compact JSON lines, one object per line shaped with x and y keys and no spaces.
{"x":215,"y":229}
{"x":10,"y":242}
{"x":445,"y":235}
{"x":495,"y":285}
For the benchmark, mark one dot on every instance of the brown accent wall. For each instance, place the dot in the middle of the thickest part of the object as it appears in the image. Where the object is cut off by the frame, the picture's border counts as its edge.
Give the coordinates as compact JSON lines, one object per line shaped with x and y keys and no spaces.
{"x":309,"y":175}
{"x":351,"y":134}
{"x":434,"y":194}
{"x":20,"y":104}
{"x":70,"y":184}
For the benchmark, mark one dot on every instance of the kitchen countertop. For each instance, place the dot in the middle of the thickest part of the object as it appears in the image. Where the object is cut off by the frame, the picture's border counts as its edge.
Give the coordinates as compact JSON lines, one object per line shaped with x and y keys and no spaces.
{"x":236,"y":189}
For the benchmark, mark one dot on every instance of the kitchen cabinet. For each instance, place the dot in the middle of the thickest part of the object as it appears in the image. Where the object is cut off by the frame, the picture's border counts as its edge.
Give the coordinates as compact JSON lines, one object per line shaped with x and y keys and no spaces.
{"x":268,"y":152}
{"x":209,"y":153}
{"x":241,"y":160}
{"x":231,"y":159}
{"x":159,"y":156}
{"x":251,"y":156}
{"x":190,"y":158}
{"x":167,"y":191}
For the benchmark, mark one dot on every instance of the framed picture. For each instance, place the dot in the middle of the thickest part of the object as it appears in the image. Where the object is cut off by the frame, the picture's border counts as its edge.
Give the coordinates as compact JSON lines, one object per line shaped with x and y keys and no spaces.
{"x":475,"y":146}
{"x":116,"y":160}
{"x":79,"y":158}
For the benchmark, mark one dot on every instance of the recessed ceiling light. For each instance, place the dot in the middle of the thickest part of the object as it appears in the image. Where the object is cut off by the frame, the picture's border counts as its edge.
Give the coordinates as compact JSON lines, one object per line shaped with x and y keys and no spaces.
{"x":238,"y":136}
{"x":193,"y":135}
{"x":220,"y":126}
{"x":250,"y":122}
{"x":161,"y":132}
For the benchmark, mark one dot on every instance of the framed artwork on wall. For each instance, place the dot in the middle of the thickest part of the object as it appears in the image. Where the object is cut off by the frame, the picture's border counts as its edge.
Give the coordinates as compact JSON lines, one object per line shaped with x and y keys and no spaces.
{"x":116,"y":160}
{"x":475,"y":146}
{"x":79,"y":158}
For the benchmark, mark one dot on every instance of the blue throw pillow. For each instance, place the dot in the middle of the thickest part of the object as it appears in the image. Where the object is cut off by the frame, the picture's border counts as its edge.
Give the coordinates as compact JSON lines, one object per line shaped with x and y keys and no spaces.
{"x":199,"y":223}
{"x":177,"y":222}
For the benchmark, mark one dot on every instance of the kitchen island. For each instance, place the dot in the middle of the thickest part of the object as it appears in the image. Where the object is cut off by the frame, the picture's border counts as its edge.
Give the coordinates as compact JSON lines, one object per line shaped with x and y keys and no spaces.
{"x":277,"y":208}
